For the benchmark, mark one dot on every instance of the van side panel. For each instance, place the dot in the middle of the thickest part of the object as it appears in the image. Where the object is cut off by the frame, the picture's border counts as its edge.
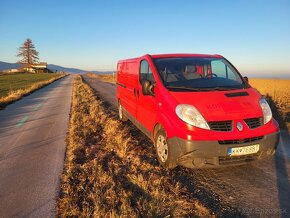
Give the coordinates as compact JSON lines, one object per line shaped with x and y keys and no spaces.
{"x":127,"y":77}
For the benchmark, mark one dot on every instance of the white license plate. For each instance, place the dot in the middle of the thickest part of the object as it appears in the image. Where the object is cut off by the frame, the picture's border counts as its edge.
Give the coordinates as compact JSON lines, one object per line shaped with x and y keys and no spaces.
{"x":251,"y":149}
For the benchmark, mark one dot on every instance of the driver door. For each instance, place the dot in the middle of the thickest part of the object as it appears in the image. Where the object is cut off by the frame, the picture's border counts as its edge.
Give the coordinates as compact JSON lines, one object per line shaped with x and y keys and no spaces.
{"x":146,"y":109}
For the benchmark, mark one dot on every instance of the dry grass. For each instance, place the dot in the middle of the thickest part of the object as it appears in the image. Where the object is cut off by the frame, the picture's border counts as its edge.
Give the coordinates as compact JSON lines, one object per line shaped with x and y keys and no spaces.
{"x":277,"y":92}
{"x":110,"y":78}
{"x":14,"y":95}
{"x":109,"y":172}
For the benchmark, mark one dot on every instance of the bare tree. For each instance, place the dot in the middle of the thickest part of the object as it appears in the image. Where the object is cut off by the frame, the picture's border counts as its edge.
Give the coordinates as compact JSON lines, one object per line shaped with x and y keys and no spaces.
{"x":28,"y":53}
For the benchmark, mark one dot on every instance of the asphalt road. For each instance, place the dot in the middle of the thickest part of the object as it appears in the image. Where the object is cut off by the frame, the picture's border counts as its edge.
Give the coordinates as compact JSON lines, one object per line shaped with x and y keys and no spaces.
{"x":32,"y":150}
{"x":261,"y":188}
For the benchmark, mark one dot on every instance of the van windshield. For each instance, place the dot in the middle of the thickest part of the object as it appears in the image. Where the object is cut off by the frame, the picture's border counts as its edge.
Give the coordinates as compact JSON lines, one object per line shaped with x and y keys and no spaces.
{"x":198,"y":74}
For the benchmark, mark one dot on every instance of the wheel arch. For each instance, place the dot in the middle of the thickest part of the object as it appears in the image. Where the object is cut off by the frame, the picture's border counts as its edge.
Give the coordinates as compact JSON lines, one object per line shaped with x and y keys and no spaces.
{"x":157,"y":127}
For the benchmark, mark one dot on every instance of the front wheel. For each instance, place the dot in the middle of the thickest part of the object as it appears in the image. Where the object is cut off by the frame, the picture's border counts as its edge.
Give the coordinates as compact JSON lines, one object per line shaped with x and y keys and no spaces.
{"x":163,"y":151}
{"x":122,"y":117}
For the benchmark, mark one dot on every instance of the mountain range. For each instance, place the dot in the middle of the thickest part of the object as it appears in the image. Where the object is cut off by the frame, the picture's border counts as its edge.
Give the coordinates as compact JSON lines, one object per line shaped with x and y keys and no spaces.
{"x":52,"y":67}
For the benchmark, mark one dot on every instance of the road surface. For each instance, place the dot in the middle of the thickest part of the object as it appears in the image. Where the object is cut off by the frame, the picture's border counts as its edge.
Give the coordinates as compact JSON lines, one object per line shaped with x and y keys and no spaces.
{"x":32,"y":150}
{"x":261,"y":188}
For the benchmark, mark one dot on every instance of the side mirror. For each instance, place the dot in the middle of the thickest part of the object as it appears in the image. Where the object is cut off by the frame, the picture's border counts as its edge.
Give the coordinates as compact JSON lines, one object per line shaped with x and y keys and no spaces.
{"x":147,"y":88}
{"x":246,"y":79}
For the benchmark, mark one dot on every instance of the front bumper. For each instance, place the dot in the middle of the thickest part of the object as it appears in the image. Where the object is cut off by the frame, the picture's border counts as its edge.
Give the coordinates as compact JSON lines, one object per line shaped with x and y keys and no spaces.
{"x":207,"y":154}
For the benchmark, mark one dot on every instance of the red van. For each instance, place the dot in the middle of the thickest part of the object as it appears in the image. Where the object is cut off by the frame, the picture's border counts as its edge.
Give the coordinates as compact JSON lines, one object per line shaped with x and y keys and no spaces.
{"x":197,"y":109}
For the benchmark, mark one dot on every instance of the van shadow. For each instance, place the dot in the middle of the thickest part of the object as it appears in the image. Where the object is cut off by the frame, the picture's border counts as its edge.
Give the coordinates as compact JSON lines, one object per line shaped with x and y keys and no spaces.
{"x":283,"y":184}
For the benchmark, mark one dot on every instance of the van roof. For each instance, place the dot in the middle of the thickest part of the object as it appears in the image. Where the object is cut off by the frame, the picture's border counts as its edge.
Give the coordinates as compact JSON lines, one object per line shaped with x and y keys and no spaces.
{"x":172,"y":56}
{"x":185,"y":55}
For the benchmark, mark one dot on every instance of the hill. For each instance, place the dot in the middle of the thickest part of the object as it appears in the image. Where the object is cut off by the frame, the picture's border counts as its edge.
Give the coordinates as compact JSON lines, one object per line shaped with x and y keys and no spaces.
{"x":52,"y":67}
{"x":6,"y":65}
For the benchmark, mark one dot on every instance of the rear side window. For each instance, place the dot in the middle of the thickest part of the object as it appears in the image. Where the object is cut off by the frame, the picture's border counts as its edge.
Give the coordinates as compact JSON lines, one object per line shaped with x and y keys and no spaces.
{"x":145,"y":72}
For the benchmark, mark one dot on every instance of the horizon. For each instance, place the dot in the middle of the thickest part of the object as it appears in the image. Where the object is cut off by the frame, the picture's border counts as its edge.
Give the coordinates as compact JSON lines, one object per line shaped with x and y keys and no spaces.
{"x":94,"y":35}
{"x":251,"y":76}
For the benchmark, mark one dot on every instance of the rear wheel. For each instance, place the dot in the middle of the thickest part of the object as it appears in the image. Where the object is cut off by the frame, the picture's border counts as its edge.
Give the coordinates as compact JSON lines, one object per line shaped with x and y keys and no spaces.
{"x":122,"y":117}
{"x":163,"y":151}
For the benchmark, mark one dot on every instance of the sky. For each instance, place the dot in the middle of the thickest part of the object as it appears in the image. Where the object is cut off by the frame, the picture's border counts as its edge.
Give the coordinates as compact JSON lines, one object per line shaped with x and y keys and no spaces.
{"x":254,"y":35}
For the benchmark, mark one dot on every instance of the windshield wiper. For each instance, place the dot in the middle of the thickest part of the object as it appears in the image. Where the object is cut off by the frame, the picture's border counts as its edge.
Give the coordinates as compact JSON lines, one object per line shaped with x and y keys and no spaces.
{"x":218,"y":88}
{"x":184,"y":88}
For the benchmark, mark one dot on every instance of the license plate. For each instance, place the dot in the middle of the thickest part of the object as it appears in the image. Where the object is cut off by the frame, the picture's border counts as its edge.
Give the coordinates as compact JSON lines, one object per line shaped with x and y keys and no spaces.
{"x":251,"y":149}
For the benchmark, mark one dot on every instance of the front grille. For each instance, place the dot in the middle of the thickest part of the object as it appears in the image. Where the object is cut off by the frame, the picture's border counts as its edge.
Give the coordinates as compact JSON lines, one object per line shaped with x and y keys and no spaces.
{"x":254,"y":122}
{"x":238,"y":159}
{"x":239,"y":141}
{"x":224,"y":126}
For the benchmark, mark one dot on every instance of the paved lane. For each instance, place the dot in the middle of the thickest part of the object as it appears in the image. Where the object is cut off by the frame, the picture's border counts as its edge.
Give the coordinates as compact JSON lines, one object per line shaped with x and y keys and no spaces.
{"x":105,"y":89}
{"x":32,"y":150}
{"x":261,"y":188}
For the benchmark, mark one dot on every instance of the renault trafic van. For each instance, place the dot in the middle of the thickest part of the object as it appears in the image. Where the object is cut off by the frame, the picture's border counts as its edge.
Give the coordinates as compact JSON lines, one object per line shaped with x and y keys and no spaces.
{"x":197,"y":109}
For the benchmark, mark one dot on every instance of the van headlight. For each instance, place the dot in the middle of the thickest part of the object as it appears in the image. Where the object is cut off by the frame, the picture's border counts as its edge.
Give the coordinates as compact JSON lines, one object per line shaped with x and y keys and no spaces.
{"x":267,"y":113}
{"x":191,"y":115}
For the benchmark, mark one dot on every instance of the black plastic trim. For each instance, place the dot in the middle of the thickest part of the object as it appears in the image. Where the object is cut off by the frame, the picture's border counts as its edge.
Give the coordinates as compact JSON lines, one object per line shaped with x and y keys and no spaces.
{"x":120,"y":84}
{"x":236,"y":94}
{"x":208,"y":154}
{"x":137,"y":124}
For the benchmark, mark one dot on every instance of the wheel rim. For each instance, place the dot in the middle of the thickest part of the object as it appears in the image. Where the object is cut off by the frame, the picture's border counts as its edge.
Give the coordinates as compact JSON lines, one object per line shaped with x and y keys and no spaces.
{"x":162,"y":148}
{"x":120,"y":112}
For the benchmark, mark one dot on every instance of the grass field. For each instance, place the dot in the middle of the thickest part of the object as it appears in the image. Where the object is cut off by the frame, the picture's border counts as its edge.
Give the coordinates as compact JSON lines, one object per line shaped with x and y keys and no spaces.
{"x":13,"y":82}
{"x":13,"y":87}
{"x":277,"y":92}
{"x":105,"y":174}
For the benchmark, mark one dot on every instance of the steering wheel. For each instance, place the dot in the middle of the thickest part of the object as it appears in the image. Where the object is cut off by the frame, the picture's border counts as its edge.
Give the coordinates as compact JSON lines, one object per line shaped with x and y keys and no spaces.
{"x":211,"y":75}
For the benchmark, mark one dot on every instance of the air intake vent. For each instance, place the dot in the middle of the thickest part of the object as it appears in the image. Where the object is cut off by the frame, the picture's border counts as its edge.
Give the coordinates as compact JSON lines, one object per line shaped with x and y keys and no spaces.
{"x":236,"y":94}
{"x":224,"y":126}
{"x":239,"y":141}
{"x":254,"y":122}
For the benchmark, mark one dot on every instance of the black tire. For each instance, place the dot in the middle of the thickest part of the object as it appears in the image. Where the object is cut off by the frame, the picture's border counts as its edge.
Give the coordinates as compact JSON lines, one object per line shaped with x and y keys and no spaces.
{"x":164,"y":154}
{"x":122,"y":116}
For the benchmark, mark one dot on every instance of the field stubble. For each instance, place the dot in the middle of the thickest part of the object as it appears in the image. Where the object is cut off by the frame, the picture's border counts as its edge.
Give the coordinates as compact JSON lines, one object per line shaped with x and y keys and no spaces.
{"x":110,"y":78}
{"x":277,"y":93}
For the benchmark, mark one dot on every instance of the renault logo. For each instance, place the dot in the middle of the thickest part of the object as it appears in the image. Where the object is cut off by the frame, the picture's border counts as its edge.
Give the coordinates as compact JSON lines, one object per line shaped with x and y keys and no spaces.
{"x":240,"y":126}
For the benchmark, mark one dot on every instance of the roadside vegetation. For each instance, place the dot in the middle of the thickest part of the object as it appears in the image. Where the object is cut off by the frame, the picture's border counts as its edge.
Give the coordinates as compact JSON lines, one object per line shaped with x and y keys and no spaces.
{"x":110,"y":78}
{"x":277,"y":93}
{"x":110,"y":171}
{"x":15,"y":86}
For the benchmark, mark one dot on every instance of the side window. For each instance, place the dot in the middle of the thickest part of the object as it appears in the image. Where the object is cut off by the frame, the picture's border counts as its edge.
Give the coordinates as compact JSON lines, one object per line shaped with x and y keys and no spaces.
{"x":218,"y":68}
{"x":222,"y":70}
{"x":145,"y":72}
{"x":231,"y":74}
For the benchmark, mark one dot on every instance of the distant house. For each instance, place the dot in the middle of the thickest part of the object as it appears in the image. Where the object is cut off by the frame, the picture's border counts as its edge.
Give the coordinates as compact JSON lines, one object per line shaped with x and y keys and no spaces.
{"x":36,"y":68}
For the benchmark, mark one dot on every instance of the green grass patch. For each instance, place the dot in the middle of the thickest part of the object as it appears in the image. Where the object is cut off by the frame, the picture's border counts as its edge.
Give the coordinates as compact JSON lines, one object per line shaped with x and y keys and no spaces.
{"x":20,"y":85}
{"x":9,"y":83}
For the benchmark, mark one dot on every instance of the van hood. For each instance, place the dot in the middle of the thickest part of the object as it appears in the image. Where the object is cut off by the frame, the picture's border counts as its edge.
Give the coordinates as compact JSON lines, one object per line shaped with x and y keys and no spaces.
{"x":223,"y":105}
